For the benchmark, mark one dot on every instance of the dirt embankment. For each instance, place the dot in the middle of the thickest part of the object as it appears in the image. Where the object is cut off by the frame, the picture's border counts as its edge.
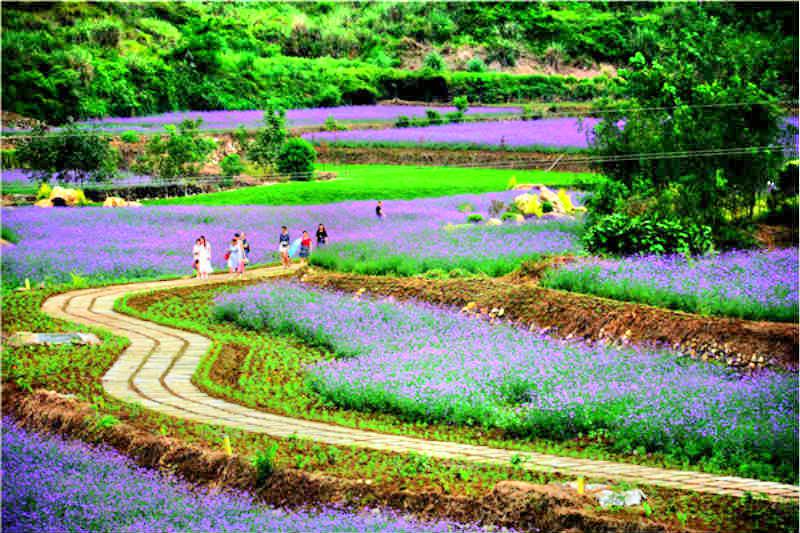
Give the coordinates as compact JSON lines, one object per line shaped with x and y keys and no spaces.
{"x":512,"y":504}
{"x":328,"y":153}
{"x":739,"y":343}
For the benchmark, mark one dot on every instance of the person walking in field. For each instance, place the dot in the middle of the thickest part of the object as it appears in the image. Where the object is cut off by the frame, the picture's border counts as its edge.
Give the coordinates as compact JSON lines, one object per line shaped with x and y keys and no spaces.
{"x":235,"y":257}
{"x":379,"y":210}
{"x":284,"y":241}
{"x":245,"y":248}
{"x":196,"y":257}
{"x":204,"y":267}
{"x":322,"y":235}
{"x":305,"y":247}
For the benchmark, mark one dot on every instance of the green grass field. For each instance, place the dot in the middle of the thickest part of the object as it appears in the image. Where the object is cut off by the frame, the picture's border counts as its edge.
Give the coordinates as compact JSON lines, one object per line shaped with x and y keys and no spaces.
{"x":386,"y":182}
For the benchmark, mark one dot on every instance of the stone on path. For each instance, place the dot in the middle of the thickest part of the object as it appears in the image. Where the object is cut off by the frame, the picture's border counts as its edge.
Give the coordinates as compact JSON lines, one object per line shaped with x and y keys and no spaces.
{"x":26,"y":338}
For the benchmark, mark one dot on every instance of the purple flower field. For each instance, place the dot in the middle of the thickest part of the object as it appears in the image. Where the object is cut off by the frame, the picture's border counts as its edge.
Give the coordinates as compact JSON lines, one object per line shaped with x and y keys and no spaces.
{"x":753,"y":284}
{"x":228,"y":120}
{"x":154,"y":241}
{"x":551,"y":132}
{"x":51,"y":484}
{"x":431,"y":363}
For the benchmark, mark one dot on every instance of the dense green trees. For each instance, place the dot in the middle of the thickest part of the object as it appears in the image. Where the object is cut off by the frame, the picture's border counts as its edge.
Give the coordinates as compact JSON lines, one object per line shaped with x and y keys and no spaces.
{"x":77,"y":60}
{"x":180,"y":153}
{"x":699,"y":139}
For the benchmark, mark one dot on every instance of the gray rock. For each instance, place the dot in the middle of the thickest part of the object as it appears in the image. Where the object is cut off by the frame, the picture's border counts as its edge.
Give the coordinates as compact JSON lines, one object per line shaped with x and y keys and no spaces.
{"x":25,"y":338}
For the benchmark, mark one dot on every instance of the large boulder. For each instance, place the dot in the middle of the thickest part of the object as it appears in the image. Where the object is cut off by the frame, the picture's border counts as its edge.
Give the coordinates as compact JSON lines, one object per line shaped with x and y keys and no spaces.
{"x":114,"y":201}
{"x":64,"y":196}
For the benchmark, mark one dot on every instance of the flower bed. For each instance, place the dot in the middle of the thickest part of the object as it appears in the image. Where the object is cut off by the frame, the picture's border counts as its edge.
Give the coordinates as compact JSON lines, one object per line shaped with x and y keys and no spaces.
{"x":429,"y":363}
{"x":51,"y":484}
{"x":229,"y":120}
{"x":752,"y":284}
{"x":124,"y":244}
{"x":545,"y":133}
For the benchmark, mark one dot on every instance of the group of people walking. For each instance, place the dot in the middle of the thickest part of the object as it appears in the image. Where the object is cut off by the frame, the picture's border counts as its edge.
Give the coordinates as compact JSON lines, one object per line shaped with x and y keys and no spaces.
{"x":237,"y":255}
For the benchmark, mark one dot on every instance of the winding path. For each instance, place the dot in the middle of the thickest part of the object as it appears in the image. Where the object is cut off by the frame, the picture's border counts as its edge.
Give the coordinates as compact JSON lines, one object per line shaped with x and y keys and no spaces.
{"x":156,"y":371}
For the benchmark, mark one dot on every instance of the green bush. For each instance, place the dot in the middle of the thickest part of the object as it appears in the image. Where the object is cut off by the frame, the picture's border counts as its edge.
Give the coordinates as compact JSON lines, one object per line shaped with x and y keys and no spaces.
{"x":178,"y":154}
{"x":264,"y":463}
{"x":232,"y":167}
{"x":547,"y":207}
{"x":332,"y":125}
{"x":454,"y":117}
{"x":434,"y":61}
{"x":263,"y":150}
{"x":461,"y":103}
{"x":129,"y":137}
{"x":9,"y":158}
{"x":296,"y":159}
{"x":476,"y":64}
{"x":436,"y":273}
{"x":474,"y":218}
{"x":402,"y":122}
{"x":622,"y":234}
{"x":434,"y":117}
{"x":530,"y":113}
{"x":508,"y":215}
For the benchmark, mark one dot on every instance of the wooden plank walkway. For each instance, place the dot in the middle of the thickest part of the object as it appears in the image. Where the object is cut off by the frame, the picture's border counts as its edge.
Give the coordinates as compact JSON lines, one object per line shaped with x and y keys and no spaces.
{"x":156,"y":371}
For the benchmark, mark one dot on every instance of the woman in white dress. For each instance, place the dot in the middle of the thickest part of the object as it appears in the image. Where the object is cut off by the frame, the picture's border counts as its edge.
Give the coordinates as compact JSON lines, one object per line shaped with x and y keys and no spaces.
{"x":204,"y":267}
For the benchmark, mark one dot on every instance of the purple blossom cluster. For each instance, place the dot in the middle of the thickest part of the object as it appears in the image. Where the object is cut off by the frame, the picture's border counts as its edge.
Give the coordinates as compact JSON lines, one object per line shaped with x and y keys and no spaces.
{"x":431,"y":363}
{"x":753,"y":284}
{"x":52,"y":484}
{"x":153,"y":241}
{"x":228,"y":120}
{"x":564,"y":132}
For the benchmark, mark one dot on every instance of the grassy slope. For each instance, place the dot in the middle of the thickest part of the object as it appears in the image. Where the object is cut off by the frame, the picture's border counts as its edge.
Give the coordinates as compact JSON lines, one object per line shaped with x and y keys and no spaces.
{"x":387,"y":182}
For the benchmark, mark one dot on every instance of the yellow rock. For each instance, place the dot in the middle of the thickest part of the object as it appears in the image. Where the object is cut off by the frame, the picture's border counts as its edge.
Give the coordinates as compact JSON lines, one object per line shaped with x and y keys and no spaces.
{"x":44,"y":202}
{"x":69,"y":196}
{"x":114,"y":201}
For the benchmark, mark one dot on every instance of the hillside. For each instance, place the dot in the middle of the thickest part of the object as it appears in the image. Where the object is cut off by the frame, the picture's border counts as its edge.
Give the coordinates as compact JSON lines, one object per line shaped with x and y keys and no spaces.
{"x":98,"y":59}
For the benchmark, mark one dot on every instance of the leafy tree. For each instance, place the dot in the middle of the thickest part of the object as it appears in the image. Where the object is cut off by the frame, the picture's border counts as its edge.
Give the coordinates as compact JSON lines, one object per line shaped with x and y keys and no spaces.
{"x":461,"y":103}
{"x":180,"y":153}
{"x":296,"y":159}
{"x":232,"y":166}
{"x":679,"y":101}
{"x":268,"y":141}
{"x":70,"y":155}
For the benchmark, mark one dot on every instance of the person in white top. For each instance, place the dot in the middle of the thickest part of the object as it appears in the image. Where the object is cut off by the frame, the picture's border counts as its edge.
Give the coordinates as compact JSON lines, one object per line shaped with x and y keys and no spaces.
{"x":202,"y":258}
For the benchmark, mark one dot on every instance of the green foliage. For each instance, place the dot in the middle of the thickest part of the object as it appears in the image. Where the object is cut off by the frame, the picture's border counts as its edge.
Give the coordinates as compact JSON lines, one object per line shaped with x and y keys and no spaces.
{"x":461,"y":103}
{"x":476,"y":64}
{"x":102,"y":422}
{"x":129,"y":137}
{"x":72,"y":154}
{"x":434,"y":61}
{"x":9,"y":158}
{"x":232,"y":166}
{"x":332,"y":125}
{"x":264,"y":463}
{"x":454,"y":117}
{"x":296,"y":159}
{"x":466,"y":207}
{"x":402,"y":122}
{"x":547,"y":207}
{"x":689,"y":84}
{"x":474,"y":218}
{"x":7,"y":234}
{"x":622,"y":234}
{"x":434,"y":117}
{"x":530,"y":113}
{"x":178,"y":154}
{"x":264,"y":149}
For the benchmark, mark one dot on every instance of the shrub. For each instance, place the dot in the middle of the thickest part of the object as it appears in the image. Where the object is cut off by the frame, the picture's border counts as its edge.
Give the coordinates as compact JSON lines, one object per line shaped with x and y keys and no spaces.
{"x":268,"y":141}
{"x":496,"y":207}
{"x":264,"y":463}
{"x":242,"y":138}
{"x":529,"y":113}
{"x":9,"y":158}
{"x":547,"y":207}
{"x":454,"y":117}
{"x":508,"y":215}
{"x":329,"y":96}
{"x":461,"y":103}
{"x":231,"y":166}
{"x":474,"y":218}
{"x":434,"y":61}
{"x":296,"y":158}
{"x":179,"y":154}
{"x":129,"y":137}
{"x":623,"y":234}
{"x":434,"y":117}
{"x":44,"y":191}
{"x":476,"y":64}
{"x":402,"y":122}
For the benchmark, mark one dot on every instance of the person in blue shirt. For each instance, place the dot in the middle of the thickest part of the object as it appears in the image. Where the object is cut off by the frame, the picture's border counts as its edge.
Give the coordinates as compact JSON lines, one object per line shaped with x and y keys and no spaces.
{"x":283,"y":246}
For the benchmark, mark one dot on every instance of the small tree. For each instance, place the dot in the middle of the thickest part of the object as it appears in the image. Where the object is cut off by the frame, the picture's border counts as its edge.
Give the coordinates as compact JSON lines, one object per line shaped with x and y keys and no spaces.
{"x":179,"y":154}
{"x":268,"y":141}
{"x":476,"y":64}
{"x":434,"y":61}
{"x":296,"y":159}
{"x":73,"y":154}
{"x":231,"y":167}
{"x":461,"y":103}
